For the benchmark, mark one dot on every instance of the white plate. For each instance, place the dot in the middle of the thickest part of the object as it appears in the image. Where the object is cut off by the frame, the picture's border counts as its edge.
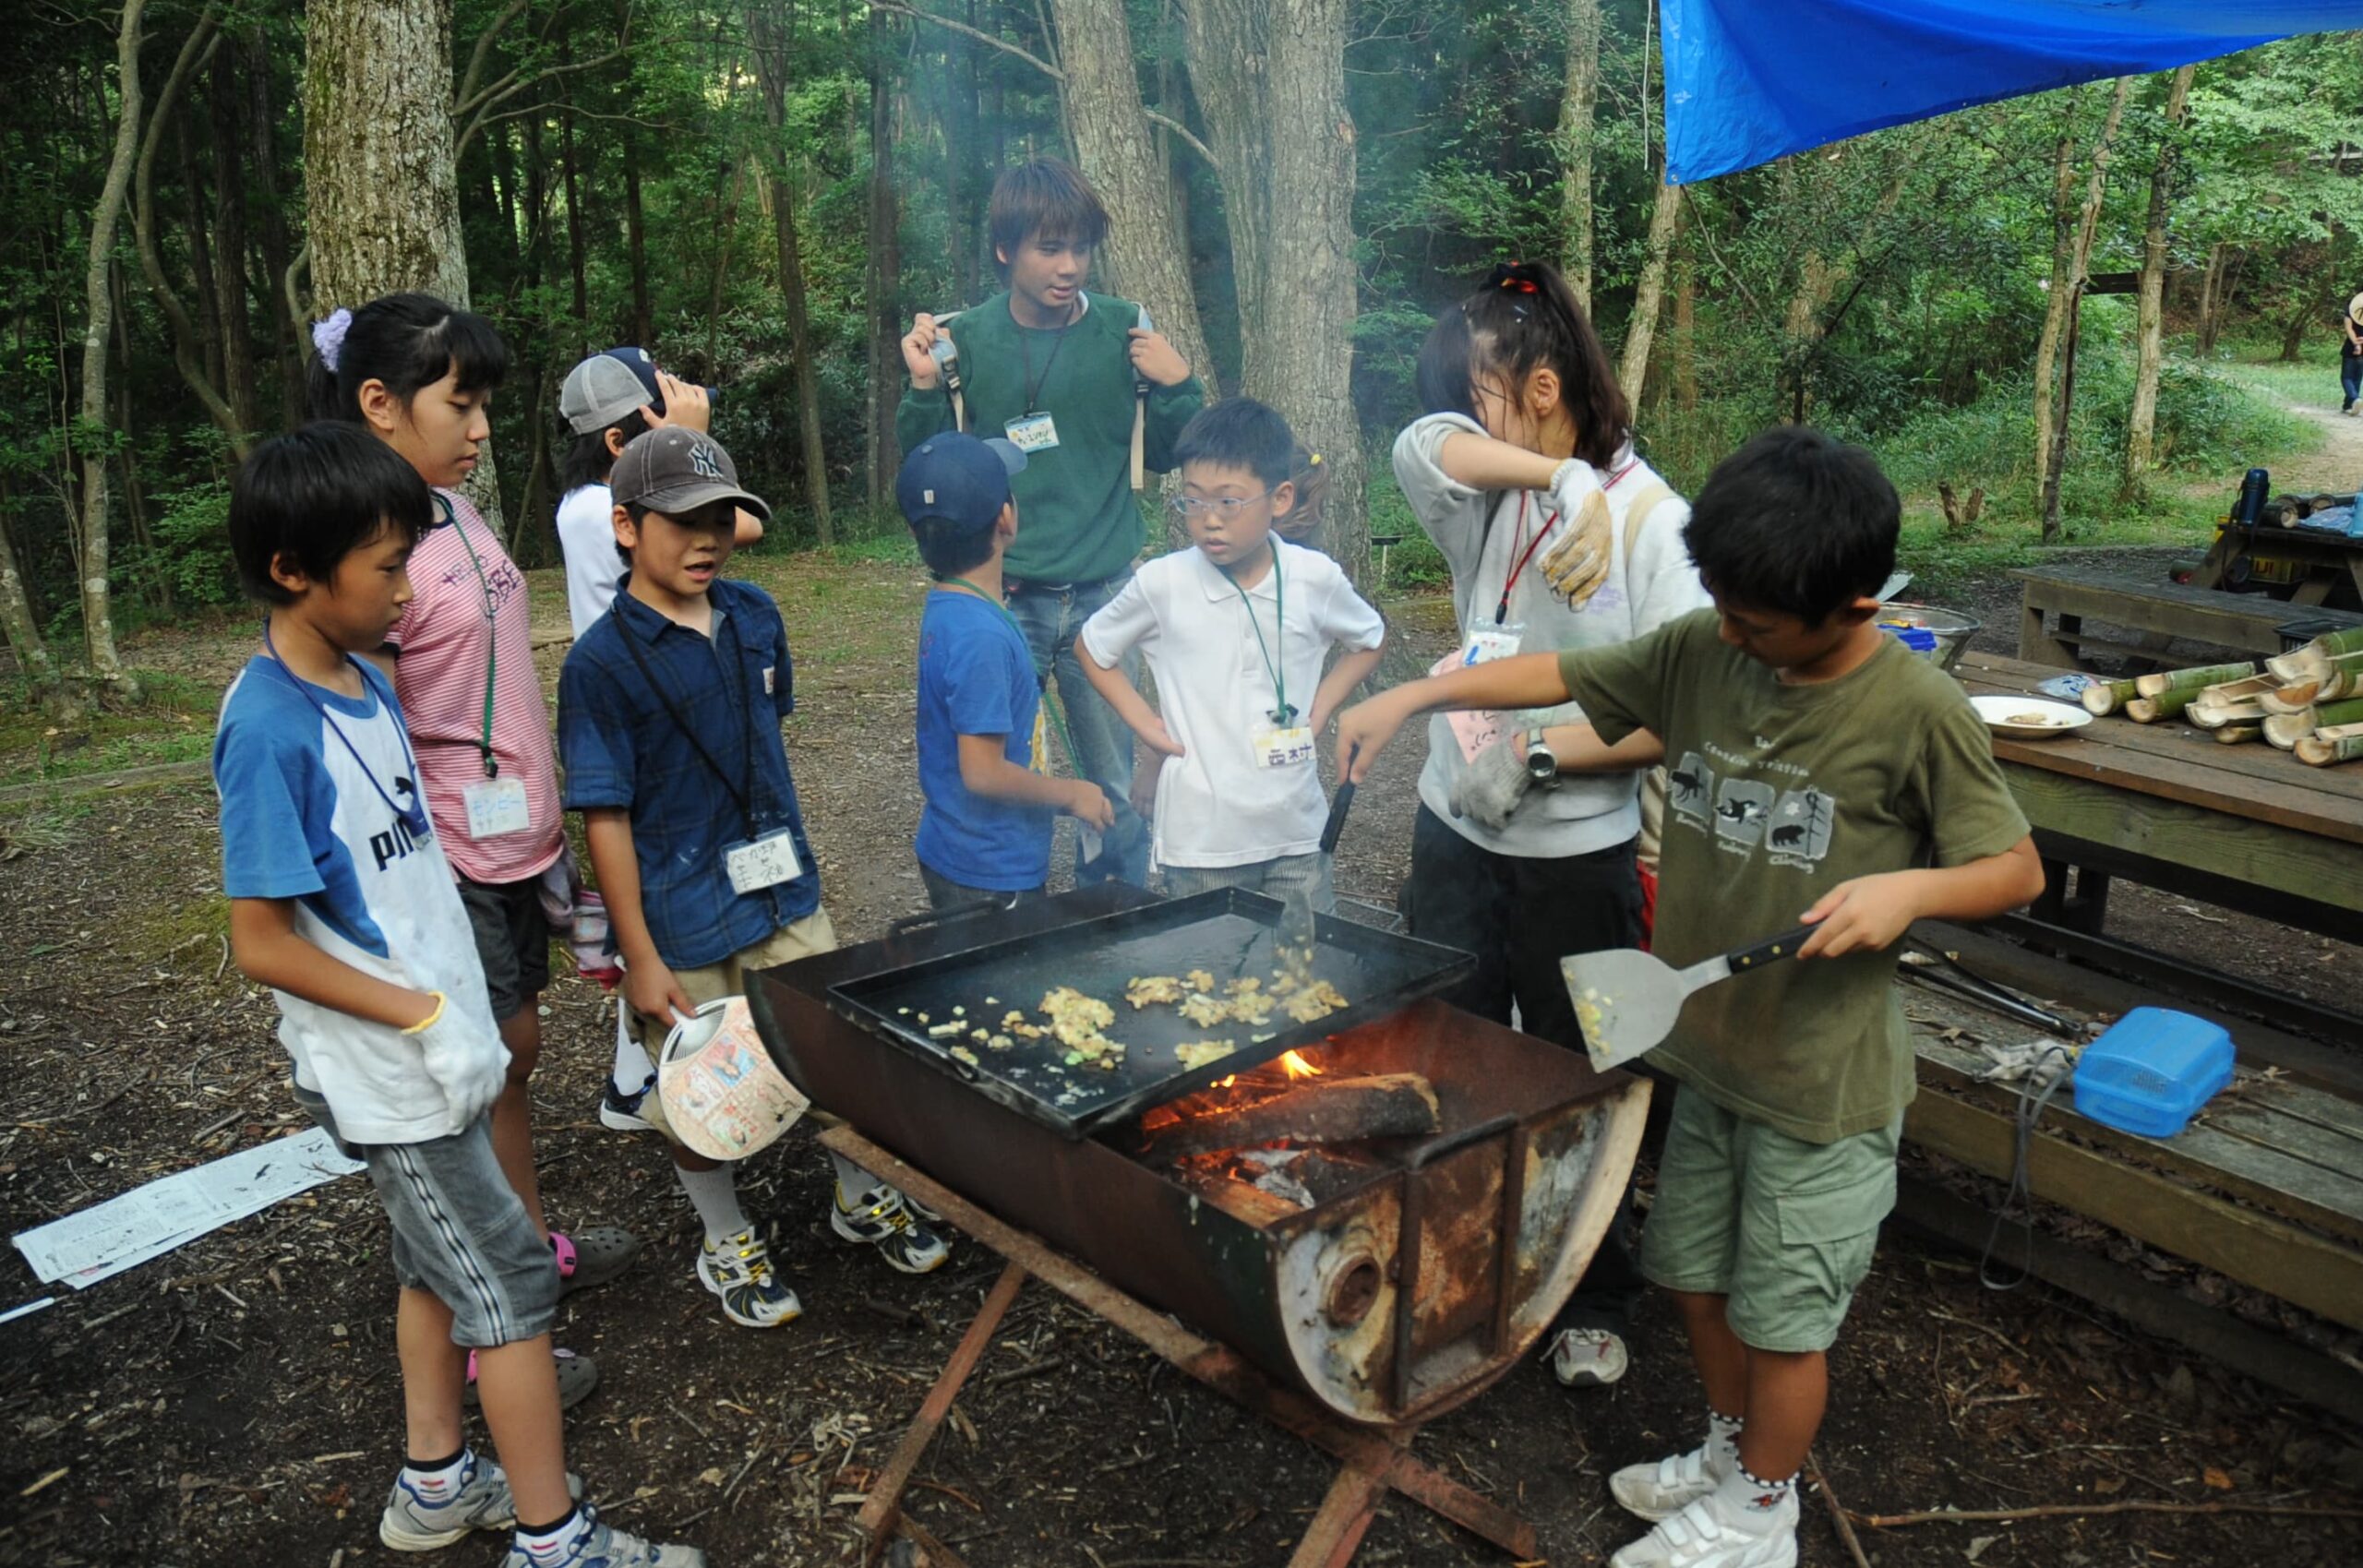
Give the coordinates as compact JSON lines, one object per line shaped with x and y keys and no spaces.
{"x":2002,"y":714}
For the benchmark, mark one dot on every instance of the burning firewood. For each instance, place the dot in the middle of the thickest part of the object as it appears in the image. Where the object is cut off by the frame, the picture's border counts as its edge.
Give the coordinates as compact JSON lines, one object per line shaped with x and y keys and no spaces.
{"x":1321,"y":1110}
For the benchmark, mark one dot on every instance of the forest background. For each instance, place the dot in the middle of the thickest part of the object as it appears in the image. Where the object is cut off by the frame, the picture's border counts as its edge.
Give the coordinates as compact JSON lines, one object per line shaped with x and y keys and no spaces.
{"x":764,"y":194}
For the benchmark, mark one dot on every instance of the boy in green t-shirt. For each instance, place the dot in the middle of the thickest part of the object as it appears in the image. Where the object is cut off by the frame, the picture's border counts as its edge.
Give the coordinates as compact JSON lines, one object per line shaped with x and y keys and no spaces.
{"x":1819,"y":772}
{"x":1058,"y":372}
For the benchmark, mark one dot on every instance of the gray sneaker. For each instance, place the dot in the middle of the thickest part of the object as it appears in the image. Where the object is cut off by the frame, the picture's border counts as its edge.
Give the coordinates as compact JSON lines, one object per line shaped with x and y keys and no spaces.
{"x":482,"y":1503}
{"x":604,"y":1546}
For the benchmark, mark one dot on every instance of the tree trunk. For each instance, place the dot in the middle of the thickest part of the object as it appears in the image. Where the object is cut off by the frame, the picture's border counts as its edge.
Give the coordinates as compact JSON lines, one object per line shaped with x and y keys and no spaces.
{"x":1648,"y":291}
{"x":2211,"y":296}
{"x":1270,"y":80}
{"x":2087,"y":225}
{"x":2055,"y":302}
{"x":134,"y":496}
{"x":886,"y":267}
{"x":578,"y":257}
{"x":1819,"y":279}
{"x":381,"y":184}
{"x":2143,"y":423}
{"x":223,"y":97}
{"x":21,"y":628}
{"x":965,"y":168}
{"x":1100,"y":95}
{"x":644,"y":325}
{"x":192,"y":348}
{"x":1576,"y":104}
{"x":176,"y":120}
{"x":90,"y":438}
{"x":1685,"y":334}
{"x":770,"y":49}
{"x":263,"y":152}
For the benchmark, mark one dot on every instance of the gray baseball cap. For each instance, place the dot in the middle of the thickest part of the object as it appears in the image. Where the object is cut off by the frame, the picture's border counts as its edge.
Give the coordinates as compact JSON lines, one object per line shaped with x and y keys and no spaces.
{"x":675,"y":471}
{"x":607,"y":386}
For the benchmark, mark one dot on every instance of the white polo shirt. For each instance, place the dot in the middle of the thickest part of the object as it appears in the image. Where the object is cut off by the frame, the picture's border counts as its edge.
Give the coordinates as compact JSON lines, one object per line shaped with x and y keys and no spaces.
{"x":1214,"y":806}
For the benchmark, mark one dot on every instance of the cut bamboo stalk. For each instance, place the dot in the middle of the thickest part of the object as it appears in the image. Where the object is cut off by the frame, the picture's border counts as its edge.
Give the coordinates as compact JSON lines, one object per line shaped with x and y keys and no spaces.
{"x":2203,"y":676}
{"x":2285,"y":730}
{"x":2233,"y":735}
{"x":2317,"y":751}
{"x":2103,"y":697}
{"x":2316,"y":658}
{"x":2166,"y":705}
{"x":2235,"y":701}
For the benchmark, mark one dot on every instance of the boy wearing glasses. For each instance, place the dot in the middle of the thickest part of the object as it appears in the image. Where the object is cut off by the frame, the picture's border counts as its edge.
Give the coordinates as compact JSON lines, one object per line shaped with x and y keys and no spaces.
{"x":1235,"y":630}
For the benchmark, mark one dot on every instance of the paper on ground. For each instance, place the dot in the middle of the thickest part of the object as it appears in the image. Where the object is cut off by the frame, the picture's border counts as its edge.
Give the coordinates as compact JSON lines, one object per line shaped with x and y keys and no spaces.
{"x":147,"y":1222}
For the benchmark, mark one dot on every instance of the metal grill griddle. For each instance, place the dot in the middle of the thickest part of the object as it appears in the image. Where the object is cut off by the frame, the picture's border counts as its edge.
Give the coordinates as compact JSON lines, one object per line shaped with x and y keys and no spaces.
{"x":1228,"y":932}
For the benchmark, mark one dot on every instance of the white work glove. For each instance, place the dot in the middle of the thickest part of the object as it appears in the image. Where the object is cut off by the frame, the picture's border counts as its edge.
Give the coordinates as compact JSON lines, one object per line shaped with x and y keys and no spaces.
{"x":470,"y":1065}
{"x":1489,"y":789}
{"x":1578,"y":561}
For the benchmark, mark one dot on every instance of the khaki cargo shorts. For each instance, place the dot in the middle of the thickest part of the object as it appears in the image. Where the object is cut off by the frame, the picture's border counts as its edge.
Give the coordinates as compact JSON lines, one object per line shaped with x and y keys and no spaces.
{"x":802,"y":938}
{"x":1783,"y":1227}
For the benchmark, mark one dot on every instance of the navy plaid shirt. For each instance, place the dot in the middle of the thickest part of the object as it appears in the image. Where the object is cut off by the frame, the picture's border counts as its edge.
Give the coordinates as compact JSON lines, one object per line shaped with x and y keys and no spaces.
{"x":623,"y":749}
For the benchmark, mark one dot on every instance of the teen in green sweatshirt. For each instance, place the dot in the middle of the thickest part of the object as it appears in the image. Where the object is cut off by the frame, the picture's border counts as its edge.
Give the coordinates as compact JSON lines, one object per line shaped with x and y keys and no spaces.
{"x":1053,"y":369}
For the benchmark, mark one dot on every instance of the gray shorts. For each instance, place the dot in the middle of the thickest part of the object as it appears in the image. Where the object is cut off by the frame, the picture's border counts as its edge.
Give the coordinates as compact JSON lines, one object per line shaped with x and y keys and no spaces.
{"x":512,"y":939}
{"x":460,"y":1232}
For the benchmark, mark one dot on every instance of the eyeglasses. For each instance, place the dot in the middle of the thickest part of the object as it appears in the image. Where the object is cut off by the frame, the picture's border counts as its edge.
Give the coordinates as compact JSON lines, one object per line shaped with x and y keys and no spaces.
{"x":1223,"y":507}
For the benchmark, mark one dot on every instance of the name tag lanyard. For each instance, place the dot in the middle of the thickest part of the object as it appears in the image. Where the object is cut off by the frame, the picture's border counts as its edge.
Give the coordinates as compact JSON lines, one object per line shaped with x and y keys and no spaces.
{"x":1283,"y":715}
{"x":492,"y":645}
{"x":413,"y":817}
{"x":1025,"y":348}
{"x":1041,"y":682}
{"x":1502,"y":610}
{"x":742,"y":792}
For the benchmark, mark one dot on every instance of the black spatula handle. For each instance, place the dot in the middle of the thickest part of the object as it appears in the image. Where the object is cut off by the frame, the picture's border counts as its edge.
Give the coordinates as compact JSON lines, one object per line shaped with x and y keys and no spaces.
{"x":1770,"y":949}
{"x":1338,"y":805}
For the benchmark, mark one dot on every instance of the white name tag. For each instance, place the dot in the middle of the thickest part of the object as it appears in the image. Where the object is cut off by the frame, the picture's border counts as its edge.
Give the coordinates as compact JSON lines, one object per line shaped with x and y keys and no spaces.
{"x":767,"y":862}
{"x":495,"y":807}
{"x":1032,"y":433}
{"x":1487,"y":643}
{"x":1283,"y":748}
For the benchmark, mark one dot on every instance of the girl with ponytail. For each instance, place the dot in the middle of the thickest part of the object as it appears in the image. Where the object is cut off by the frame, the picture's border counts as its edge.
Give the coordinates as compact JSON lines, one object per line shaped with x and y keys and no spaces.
{"x":1558,"y":536}
{"x":419,"y":374}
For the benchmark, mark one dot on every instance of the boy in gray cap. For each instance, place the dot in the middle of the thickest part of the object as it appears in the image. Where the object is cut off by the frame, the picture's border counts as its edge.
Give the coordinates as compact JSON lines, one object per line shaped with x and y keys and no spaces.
{"x":668,"y":725}
{"x":607,"y":400}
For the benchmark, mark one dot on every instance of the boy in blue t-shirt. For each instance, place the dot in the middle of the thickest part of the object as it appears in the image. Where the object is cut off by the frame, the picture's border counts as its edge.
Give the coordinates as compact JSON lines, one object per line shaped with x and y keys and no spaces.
{"x":985,"y":832}
{"x":342,"y":901}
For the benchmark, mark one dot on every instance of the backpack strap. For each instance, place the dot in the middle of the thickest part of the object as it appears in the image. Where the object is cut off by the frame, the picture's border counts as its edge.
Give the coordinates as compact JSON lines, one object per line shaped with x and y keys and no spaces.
{"x":1646,"y":501}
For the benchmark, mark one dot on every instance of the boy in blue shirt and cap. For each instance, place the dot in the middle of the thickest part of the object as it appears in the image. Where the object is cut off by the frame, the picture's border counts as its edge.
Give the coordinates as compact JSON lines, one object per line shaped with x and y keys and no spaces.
{"x":668,"y":723}
{"x":985,"y":832}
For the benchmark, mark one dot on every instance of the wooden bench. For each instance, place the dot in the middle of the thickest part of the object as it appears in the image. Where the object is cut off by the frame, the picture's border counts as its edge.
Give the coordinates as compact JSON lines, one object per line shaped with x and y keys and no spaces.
{"x":2265,"y":1186}
{"x":2250,"y":623}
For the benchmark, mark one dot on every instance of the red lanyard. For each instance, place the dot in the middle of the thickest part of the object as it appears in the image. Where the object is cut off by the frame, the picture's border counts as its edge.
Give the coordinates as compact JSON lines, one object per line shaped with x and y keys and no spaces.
{"x":1502,"y":610}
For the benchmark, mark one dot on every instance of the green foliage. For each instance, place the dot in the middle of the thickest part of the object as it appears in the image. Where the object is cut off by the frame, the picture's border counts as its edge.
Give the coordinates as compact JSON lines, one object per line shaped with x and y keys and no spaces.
{"x":191,"y":555}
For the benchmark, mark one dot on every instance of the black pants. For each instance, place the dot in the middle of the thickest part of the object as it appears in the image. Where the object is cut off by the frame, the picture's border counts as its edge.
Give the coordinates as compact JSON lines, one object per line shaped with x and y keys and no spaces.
{"x":1519,"y":916}
{"x":943,"y":893}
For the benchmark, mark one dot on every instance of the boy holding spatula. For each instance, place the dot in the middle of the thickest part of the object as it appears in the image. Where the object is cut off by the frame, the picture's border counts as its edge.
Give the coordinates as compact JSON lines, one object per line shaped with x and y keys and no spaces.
{"x":1820,"y":773}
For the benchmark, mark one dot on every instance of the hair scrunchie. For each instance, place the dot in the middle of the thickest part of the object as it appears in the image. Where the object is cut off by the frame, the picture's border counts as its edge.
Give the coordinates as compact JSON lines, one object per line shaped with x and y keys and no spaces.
{"x":328,"y":337}
{"x":1515,"y":277}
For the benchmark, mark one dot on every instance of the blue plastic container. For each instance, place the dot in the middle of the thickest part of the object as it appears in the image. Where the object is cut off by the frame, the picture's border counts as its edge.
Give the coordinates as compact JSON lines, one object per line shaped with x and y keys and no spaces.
{"x":2151,"y":1070}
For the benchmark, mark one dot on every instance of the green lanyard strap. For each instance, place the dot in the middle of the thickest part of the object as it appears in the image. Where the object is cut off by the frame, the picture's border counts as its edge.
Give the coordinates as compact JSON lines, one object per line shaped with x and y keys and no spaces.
{"x":1283,"y":715}
{"x":492,"y":640}
{"x":1057,"y":720}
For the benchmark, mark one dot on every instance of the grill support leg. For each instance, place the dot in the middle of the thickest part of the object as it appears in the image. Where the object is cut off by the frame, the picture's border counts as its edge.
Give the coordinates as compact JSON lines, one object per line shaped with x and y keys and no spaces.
{"x":1373,"y":1462}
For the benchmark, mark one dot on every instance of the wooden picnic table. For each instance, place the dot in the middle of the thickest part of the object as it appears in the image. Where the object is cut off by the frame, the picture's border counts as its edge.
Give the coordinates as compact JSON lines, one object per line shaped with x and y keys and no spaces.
{"x":2328,"y":561}
{"x":2247,"y":827}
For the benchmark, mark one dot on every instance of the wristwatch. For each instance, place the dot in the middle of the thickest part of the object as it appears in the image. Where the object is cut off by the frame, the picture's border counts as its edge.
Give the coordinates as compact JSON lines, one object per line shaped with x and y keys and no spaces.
{"x":1542,"y":763}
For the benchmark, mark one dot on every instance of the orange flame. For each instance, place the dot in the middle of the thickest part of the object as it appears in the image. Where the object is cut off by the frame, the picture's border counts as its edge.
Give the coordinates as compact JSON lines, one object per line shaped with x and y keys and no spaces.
{"x":1226,"y":1082}
{"x":1297,"y":1067}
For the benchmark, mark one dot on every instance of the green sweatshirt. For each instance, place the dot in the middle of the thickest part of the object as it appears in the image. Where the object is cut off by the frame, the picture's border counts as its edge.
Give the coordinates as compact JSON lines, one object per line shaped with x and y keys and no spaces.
{"x":1077,"y":518}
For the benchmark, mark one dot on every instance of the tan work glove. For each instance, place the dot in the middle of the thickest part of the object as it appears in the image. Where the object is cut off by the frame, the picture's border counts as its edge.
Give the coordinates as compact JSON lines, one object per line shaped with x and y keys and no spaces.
{"x":1577,"y":564}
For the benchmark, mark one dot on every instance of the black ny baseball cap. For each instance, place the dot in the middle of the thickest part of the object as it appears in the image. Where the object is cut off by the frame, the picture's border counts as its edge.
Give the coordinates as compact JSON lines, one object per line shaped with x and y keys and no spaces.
{"x":675,"y":471}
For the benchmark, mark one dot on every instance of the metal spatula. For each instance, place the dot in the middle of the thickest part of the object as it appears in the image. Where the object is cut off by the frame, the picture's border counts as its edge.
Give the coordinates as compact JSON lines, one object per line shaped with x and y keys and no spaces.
{"x":1626,"y":1001}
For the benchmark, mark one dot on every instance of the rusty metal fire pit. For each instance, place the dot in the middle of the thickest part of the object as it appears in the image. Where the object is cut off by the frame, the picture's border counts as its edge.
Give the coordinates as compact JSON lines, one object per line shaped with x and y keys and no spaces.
{"x":1423,"y":1268}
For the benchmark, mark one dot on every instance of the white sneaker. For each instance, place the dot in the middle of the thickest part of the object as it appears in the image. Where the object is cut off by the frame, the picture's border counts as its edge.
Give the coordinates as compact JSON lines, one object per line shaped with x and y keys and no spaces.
{"x":1660,"y":1490}
{"x":1701,"y":1536}
{"x":739,"y":1271}
{"x":1588,"y":1358}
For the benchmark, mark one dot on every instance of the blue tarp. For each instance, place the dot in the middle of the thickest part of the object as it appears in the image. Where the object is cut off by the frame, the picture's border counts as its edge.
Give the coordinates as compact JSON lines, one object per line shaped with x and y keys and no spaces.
{"x":1748,"y":80}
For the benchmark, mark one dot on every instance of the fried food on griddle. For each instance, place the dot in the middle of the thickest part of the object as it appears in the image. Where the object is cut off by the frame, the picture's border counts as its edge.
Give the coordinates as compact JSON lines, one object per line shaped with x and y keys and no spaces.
{"x":1077,"y":1021}
{"x":1318,"y":1000}
{"x":1241,"y":986}
{"x":1198,"y":1053}
{"x":1198,"y":980}
{"x":1141,"y":992}
{"x":1204,"y":1010}
{"x":1251,"y":1006}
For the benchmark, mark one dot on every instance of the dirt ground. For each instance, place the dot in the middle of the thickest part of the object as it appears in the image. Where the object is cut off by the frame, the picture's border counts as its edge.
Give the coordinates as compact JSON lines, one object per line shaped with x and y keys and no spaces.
{"x":235,"y":1401}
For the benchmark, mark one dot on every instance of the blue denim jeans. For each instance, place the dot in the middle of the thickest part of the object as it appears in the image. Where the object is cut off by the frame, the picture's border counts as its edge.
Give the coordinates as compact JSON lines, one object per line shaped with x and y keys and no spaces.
{"x":1051,"y":616}
{"x":2350,"y":378}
